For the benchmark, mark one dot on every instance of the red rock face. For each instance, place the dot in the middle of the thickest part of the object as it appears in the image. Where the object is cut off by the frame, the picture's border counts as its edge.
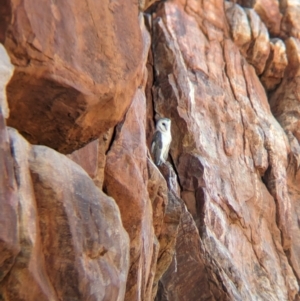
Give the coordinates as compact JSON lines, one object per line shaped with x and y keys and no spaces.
{"x":223,"y":142}
{"x":125,"y":176}
{"x":268,"y":11}
{"x":60,"y":237}
{"x":5,"y":13}
{"x":199,"y":280}
{"x":286,"y":108}
{"x":219,"y":220}
{"x":72,"y":242}
{"x":9,"y":232}
{"x":86,"y":157}
{"x":77,"y":75}
{"x":290,"y":25}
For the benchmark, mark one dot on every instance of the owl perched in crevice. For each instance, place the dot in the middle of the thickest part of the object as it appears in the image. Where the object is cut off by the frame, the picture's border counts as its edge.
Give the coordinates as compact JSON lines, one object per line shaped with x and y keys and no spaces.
{"x":161,"y":141}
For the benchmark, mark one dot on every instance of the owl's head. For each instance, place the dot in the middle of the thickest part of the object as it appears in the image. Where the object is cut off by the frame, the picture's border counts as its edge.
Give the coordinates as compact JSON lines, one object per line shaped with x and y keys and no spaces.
{"x":163,"y":125}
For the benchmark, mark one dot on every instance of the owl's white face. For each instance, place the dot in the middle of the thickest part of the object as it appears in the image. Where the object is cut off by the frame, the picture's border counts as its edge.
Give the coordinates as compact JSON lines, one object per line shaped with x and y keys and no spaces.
{"x":163,"y":125}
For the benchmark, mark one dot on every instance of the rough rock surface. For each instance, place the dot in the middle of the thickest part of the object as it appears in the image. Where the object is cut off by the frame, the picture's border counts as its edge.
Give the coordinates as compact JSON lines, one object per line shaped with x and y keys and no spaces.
{"x":72,"y":242}
{"x":71,"y":67}
{"x":189,"y":277}
{"x":224,"y":140}
{"x":290,"y":22}
{"x":250,"y":34}
{"x":268,"y":11}
{"x":87,"y":158}
{"x":126,"y":181}
{"x":239,"y":26}
{"x":9,"y":234}
{"x":220,"y":220}
{"x":6,"y":71}
{"x":275,"y":66}
{"x":285,"y":101}
{"x":285,"y":105}
{"x":61,"y":237}
{"x":168,"y":232}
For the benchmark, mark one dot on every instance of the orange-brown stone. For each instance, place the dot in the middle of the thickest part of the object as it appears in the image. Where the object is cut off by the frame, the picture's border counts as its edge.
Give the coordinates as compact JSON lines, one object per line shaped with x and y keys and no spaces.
{"x":71,"y":238}
{"x":78,"y":65}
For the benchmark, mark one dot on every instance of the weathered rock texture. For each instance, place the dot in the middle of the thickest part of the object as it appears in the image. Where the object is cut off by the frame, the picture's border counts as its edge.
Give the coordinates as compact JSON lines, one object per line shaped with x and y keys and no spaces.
{"x":9,"y":238}
{"x":225,"y":140}
{"x":61,"y":237}
{"x":275,"y":66}
{"x":268,"y":11}
{"x":72,"y":242}
{"x":220,"y":220}
{"x":74,"y":76}
{"x":6,"y":71}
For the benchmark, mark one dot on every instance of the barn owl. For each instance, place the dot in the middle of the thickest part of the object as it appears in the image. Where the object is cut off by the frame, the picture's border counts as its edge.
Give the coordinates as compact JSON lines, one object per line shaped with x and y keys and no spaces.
{"x":161,"y":141}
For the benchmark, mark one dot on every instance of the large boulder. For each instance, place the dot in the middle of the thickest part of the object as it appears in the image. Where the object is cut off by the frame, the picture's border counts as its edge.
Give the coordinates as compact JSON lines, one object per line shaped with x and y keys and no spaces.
{"x":78,"y":65}
{"x":70,"y":235}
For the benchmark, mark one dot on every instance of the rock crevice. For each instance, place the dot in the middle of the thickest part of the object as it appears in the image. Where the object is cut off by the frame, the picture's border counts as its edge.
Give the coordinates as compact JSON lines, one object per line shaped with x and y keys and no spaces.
{"x":85,"y":213}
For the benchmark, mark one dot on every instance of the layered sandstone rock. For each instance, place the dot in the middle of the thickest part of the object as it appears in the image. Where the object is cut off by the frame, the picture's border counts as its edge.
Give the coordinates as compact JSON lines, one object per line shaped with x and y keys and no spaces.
{"x":275,"y":66}
{"x":74,"y":76}
{"x":268,"y":11}
{"x":190,"y":276}
{"x":126,"y":181}
{"x":220,"y":220}
{"x":167,"y":233}
{"x":250,"y":34}
{"x":290,"y":22}
{"x":9,"y":232}
{"x":239,"y":26}
{"x":225,"y":140}
{"x":61,"y":237}
{"x":72,"y":242}
{"x":6,"y":71}
{"x":285,"y":101}
{"x":285,"y":105}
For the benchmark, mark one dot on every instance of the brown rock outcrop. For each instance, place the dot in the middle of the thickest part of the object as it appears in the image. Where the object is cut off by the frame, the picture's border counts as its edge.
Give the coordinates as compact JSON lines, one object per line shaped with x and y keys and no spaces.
{"x":219,"y":220}
{"x":169,"y":226}
{"x":9,"y":231}
{"x":239,"y":26}
{"x":28,"y":270}
{"x":77,"y":68}
{"x":126,"y":181}
{"x":259,"y":50}
{"x":268,"y":11}
{"x":187,"y":278}
{"x":6,"y":71}
{"x":92,"y":157}
{"x":5,"y":18}
{"x":275,"y":66}
{"x":73,"y":245}
{"x":290,"y":22}
{"x":285,"y":101}
{"x":87,"y":158}
{"x":250,"y":34}
{"x":223,"y":142}
{"x":285,"y":105}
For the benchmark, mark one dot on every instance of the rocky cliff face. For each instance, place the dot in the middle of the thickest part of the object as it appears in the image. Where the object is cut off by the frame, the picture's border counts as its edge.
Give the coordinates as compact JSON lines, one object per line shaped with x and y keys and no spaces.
{"x":85,"y":214}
